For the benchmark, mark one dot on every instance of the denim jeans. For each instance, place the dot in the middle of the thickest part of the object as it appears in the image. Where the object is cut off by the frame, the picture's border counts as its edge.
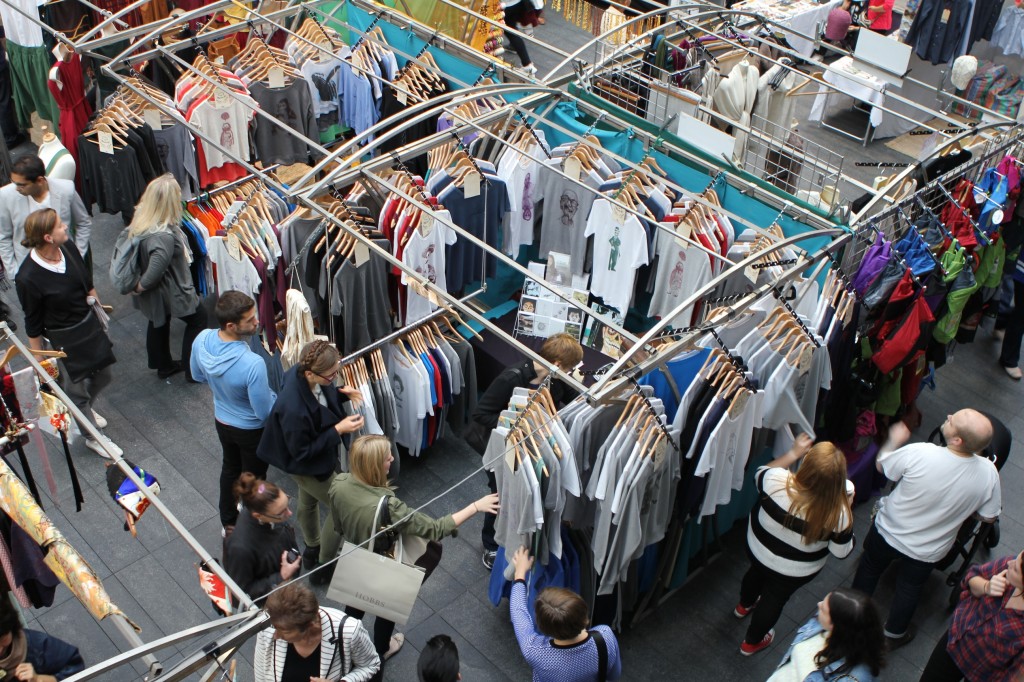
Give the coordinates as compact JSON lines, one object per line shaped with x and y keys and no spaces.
{"x":913,"y":574}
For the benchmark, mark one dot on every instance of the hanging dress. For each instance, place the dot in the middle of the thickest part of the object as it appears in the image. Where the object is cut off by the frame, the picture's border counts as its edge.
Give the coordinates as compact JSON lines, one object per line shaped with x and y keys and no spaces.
{"x":75,"y":110}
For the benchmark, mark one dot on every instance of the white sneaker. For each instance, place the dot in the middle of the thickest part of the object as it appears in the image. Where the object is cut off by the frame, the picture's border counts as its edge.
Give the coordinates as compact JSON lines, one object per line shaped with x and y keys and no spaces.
{"x":530,"y":69}
{"x":106,"y":449}
{"x":98,"y":419}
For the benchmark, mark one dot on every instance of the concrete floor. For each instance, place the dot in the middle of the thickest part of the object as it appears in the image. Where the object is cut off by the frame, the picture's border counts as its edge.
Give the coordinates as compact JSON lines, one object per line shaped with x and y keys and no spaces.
{"x":167,"y":427}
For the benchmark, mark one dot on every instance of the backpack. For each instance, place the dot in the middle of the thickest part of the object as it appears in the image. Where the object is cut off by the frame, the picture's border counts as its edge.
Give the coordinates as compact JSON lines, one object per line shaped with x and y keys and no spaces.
{"x":125,"y":271}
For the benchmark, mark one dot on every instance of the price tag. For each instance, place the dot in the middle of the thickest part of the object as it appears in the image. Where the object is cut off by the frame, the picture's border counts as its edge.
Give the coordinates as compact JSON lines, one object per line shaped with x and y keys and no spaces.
{"x":106,"y":142}
{"x":619,"y":214}
{"x":234,"y":246}
{"x":426,"y":224}
{"x":659,"y":453}
{"x":573,"y":167}
{"x":218,"y":60}
{"x":945,"y":16}
{"x":684,"y":230}
{"x":510,"y":456}
{"x":361,"y":254}
{"x":471,"y":186}
{"x":803,"y":364}
{"x":750,"y":272}
{"x":276,"y":77}
{"x":152,"y":118}
{"x":221,"y":99}
{"x":738,"y":403}
{"x":401,"y":96}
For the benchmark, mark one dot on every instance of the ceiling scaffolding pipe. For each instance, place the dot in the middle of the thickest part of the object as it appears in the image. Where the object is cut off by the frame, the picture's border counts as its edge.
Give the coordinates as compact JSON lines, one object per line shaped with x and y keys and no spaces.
{"x":501,"y":257}
{"x":448,"y":299}
{"x":86,"y":425}
{"x":392,"y":127}
{"x":613,"y":199}
{"x":172,"y":639}
{"x":908,"y":172}
{"x":227,"y":643}
{"x":611,"y":383}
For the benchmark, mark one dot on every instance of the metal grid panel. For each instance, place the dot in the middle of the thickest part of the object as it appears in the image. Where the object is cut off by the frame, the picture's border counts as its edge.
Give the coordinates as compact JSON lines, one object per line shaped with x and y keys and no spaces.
{"x":790,"y":161}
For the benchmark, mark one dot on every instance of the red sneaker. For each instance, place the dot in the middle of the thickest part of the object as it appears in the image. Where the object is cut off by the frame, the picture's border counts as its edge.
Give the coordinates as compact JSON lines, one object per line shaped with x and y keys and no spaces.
{"x":742,"y":611}
{"x":751,"y":649}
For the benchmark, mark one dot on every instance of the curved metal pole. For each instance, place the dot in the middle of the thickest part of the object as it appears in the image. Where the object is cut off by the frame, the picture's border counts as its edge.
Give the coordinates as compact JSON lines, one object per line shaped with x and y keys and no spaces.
{"x":605,"y":384}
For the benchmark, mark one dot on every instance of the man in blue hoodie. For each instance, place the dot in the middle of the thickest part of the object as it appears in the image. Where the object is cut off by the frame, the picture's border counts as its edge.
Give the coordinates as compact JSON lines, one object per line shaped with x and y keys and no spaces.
{"x":242,"y":398}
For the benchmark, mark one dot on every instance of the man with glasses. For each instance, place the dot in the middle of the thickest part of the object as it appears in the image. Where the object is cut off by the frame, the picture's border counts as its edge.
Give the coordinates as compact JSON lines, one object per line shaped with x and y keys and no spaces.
{"x":242,"y":398}
{"x":937,"y":489}
{"x":30,"y":190}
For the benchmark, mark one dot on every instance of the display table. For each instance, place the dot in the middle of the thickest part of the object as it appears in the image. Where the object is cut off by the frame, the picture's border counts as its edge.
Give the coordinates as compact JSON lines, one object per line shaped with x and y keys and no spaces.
{"x":799,"y":15}
{"x":850,"y":81}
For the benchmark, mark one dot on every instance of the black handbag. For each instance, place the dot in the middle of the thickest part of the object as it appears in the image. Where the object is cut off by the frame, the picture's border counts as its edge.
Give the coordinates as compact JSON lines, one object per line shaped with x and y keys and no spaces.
{"x":87,"y":345}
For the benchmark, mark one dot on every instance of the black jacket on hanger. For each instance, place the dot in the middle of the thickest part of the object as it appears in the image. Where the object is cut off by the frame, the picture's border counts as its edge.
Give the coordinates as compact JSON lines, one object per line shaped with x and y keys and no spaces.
{"x":938,"y":30}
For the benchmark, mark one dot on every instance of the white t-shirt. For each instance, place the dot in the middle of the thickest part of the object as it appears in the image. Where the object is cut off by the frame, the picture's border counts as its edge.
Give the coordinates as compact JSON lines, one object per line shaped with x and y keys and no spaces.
{"x":229,"y":126}
{"x":239,"y":275}
{"x":619,"y":249}
{"x":424,"y":253}
{"x":801,"y":661}
{"x":682,"y":271}
{"x":936,"y":491}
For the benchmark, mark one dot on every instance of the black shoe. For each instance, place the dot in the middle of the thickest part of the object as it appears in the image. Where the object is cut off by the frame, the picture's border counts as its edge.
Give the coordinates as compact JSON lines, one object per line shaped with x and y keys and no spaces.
{"x":899,"y":642}
{"x":488,"y":558}
{"x":323,"y":575}
{"x":170,"y":371}
{"x":310,"y":558}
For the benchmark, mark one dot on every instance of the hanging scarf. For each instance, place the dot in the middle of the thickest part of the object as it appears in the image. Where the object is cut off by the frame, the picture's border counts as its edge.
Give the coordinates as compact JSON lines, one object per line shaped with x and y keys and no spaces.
{"x":16,"y":655}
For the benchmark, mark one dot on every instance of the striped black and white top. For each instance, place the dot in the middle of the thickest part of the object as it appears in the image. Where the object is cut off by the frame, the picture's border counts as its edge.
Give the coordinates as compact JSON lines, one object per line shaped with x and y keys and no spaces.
{"x":779,"y":546}
{"x":346,"y":651}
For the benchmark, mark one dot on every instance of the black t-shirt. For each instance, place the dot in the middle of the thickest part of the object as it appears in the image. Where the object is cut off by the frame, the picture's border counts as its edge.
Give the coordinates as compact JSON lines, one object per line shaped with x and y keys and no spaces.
{"x":299,"y":669}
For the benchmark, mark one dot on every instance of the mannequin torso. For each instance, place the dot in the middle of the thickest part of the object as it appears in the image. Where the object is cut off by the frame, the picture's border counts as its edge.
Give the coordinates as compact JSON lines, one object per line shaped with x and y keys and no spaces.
{"x":58,"y":161}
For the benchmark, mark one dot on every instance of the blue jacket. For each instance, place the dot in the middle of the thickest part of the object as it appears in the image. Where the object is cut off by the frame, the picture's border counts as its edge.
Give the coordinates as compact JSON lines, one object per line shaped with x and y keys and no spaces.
{"x":860,"y":673}
{"x":299,"y":436}
{"x":238,"y":378}
{"x":52,"y":656}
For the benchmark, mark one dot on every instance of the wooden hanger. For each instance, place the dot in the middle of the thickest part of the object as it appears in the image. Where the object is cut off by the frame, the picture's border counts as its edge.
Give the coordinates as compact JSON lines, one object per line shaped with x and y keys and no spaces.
{"x":14,"y":350}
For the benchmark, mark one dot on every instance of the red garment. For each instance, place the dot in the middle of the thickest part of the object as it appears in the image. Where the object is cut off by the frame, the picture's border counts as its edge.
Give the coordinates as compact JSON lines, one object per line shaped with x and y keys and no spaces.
{"x":956,"y":216}
{"x":985,"y":637}
{"x":75,"y":109}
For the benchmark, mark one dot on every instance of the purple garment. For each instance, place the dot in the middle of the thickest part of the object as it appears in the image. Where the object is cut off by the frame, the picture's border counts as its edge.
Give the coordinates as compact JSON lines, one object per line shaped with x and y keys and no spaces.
{"x":30,"y":571}
{"x":875,"y":260}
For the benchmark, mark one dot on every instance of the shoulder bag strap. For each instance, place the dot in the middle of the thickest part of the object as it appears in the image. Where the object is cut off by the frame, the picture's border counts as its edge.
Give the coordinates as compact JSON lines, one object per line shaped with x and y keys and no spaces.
{"x":602,"y":656}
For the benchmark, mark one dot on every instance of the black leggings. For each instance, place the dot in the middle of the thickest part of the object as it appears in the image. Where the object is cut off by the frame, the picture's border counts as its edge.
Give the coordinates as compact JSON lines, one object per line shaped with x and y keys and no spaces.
{"x":941,"y":667}
{"x":512,"y":16}
{"x":773,"y":589}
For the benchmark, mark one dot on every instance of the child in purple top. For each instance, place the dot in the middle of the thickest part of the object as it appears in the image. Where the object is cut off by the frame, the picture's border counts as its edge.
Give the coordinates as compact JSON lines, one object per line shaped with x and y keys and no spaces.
{"x":838,"y":25}
{"x":565,"y":651}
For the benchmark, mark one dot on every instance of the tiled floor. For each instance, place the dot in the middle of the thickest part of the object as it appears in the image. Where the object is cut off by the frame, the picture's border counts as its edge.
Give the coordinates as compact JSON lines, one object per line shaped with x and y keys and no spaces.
{"x":167,"y":427}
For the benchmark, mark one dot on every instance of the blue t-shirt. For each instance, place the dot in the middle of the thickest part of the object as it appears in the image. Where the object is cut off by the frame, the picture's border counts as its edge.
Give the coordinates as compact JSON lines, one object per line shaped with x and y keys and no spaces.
{"x":684,"y":370}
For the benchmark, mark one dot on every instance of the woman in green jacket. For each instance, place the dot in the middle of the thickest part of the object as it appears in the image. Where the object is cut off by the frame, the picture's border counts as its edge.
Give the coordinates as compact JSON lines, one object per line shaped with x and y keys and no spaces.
{"x":354,"y":499}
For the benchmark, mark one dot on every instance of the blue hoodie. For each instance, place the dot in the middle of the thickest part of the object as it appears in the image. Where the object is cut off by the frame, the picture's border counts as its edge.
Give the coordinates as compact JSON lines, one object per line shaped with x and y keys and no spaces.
{"x":238,"y":378}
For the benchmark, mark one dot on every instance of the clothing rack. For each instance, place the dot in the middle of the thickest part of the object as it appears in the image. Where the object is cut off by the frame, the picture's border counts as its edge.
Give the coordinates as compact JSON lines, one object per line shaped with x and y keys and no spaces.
{"x":534,"y":395}
{"x":373,"y":25}
{"x":533,"y":133}
{"x":646,"y":402}
{"x":462,"y":145}
{"x":647,"y":154}
{"x":982,"y":237}
{"x":785,"y":304}
{"x":773,"y":263}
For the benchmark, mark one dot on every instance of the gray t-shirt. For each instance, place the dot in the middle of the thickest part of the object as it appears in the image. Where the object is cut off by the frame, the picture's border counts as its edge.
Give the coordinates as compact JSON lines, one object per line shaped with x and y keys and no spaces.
{"x":175,"y":149}
{"x":566,"y":207}
{"x":292,"y":106}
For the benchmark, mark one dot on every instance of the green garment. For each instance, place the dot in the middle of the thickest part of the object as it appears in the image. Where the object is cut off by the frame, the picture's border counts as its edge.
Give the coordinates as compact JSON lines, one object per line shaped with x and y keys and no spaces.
{"x":307,"y":514}
{"x":30,"y":71}
{"x":354,"y":504}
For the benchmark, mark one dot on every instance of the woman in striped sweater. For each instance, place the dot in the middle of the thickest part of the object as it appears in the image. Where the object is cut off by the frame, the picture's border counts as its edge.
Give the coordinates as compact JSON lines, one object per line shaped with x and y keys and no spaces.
{"x":798,"y":520}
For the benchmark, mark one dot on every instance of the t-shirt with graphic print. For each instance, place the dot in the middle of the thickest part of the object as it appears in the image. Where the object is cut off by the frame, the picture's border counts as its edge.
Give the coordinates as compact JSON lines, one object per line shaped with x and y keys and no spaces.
{"x":424,"y":253}
{"x":566,"y":207}
{"x":682,"y":270}
{"x":620,"y":247}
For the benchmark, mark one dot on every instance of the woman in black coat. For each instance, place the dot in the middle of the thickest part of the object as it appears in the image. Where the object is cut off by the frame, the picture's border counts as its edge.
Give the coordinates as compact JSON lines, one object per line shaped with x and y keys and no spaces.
{"x":302,"y":437}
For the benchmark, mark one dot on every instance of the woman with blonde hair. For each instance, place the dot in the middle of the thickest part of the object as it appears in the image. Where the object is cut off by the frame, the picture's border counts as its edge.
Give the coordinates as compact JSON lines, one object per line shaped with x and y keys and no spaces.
{"x":165,"y":288}
{"x":798,"y":520}
{"x":354,"y":500}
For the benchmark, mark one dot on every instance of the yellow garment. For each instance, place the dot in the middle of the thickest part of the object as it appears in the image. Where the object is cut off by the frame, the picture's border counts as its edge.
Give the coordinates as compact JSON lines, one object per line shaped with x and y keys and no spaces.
{"x":65,"y":562}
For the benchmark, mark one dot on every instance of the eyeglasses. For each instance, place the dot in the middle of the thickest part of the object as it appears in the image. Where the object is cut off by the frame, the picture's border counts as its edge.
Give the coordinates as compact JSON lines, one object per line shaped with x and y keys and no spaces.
{"x":332,"y":375}
{"x":283,"y":514}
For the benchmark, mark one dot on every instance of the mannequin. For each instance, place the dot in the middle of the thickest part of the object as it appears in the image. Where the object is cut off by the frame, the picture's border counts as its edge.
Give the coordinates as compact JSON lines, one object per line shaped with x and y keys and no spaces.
{"x":58,"y":161}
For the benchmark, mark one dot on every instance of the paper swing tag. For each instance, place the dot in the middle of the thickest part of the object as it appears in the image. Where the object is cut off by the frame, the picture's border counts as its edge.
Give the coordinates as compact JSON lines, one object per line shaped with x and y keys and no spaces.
{"x":683,"y":232}
{"x":472,"y":185}
{"x":221,"y":99}
{"x":619,"y":215}
{"x":361,"y":254}
{"x":401,"y":96}
{"x":573,"y":168}
{"x":803,"y":364}
{"x":234,"y":246}
{"x":750,"y":272}
{"x":106,"y":142}
{"x":426,"y":224}
{"x":275,"y":76}
{"x":152,"y":118}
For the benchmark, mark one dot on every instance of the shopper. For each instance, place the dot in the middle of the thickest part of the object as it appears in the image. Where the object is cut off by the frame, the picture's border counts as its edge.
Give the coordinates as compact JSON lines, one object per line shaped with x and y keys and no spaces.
{"x":30,"y":190}
{"x":565,"y":650}
{"x":256,"y":553}
{"x":985,"y":640}
{"x":937,"y":489}
{"x":165,"y":289}
{"x":837,"y":26}
{"x":242,"y":398}
{"x":1009,"y":355}
{"x":302,"y":437}
{"x":798,"y":520}
{"x":844,"y":642}
{"x":31,"y":655}
{"x":57,"y":295}
{"x":306,"y":641}
{"x":562,"y":350}
{"x":516,"y":13}
{"x":354,"y":499}
{"x":879,"y":16}
{"x":439,"y":661}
